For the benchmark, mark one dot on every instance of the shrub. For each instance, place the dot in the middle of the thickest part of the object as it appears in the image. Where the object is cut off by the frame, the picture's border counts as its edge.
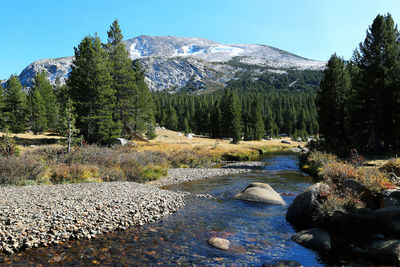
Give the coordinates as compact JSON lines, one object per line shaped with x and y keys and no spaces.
{"x":15,"y":170}
{"x":337,"y":171}
{"x":340,"y":201}
{"x":313,"y":161}
{"x":8,"y":146}
{"x":375,"y":180}
{"x":392,"y":166}
{"x":355,"y":158}
{"x":74,"y":173}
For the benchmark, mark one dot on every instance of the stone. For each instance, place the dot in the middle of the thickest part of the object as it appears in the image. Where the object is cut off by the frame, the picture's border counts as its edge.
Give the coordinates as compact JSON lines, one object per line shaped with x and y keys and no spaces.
{"x":297,"y":150}
{"x":260,"y":192}
{"x":314,"y":238}
{"x":390,"y":197}
{"x":123,"y":142}
{"x":304,"y":210}
{"x":282,"y":263}
{"x":286,"y":142}
{"x":361,"y":190}
{"x":219,"y":243}
{"x":387,"y":251}
{"x":189,"y":135}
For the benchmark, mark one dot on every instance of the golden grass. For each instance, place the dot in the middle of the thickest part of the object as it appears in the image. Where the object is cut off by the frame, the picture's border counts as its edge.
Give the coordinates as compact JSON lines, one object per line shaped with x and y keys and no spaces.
{"x":168,"y":141}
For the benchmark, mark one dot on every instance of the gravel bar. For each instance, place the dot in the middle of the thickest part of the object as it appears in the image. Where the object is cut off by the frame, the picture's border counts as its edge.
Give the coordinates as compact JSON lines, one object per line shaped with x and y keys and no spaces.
{"x":32,"y":216}
{"x":181,"y":175}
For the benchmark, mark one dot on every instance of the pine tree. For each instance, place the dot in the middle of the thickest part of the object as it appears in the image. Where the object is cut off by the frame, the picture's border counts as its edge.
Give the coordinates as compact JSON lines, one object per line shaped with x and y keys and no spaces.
{"x":186,"y":125}
{"x":123,"y":79}
{"x":215,"y":121}
{"x":378,"y":64}
{"x":143,"y":111}
{"x":15,"y":105}
{"x":257,"y":123}
{"x":38,"y":119}
{"x":90,"y":89}
{"x":332,"y":102}
{"x":2,"y":109}
{"x":42,"y":85}
{"x":172,"y":119}
{"x":231,"y":116}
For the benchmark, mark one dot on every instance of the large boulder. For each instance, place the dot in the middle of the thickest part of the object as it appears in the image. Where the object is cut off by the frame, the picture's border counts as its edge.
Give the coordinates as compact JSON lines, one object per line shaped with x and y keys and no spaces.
{"x":123,"y":142}
{"x":386,"y":251}
{"x":365,"y":194}
{"x":220,"y":243}
{"x":314,"y":238}
{"x":390,"y":197}
{"x":304,"y":210}
{"x":260,"y":192}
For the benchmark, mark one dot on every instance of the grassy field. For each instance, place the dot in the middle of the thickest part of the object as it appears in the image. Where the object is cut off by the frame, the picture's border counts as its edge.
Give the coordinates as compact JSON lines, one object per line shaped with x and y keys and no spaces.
{"x":167,"y":141}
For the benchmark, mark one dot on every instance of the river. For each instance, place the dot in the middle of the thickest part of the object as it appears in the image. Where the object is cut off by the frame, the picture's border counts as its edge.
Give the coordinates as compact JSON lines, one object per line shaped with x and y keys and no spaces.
{"x":258,"y":232}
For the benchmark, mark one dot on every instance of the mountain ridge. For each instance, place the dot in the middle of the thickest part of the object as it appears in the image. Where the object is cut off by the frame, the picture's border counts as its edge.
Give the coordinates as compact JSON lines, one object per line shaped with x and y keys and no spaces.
{"x":172,"y":62}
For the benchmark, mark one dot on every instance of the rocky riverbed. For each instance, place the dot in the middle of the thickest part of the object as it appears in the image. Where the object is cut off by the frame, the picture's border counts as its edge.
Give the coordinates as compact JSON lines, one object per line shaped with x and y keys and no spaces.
{"x":181,"y":175}
{"x":33,"y":216}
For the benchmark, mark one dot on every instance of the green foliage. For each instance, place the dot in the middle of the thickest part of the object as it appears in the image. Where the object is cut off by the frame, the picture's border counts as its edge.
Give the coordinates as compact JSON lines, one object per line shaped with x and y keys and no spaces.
{"x":2,"y":109}
{"x":15,"y":105}
{"x":204,"y":112}
{"x":358,"y":102}
{"x":332,"y":103}
{"x":231,"y":114}
{"x":91,"y":90}
{"x":8,"y":147}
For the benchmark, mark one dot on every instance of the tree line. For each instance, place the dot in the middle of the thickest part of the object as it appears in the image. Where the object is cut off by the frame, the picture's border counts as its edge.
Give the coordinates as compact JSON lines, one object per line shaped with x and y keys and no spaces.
{"x":235,"y":114}
{"x":105,"y":96}
{"x":359,"y":99}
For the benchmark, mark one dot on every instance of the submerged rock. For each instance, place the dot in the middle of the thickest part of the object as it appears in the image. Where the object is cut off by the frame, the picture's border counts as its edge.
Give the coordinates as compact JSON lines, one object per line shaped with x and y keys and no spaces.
{"x":314,"y":238}
{"x":282,"y":263}
{"x":260,"y":192}
{"x":219,"y":243}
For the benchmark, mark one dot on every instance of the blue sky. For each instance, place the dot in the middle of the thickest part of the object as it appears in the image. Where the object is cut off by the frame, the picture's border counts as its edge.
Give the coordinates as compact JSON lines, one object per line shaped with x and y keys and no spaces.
{"x":33,"y":30}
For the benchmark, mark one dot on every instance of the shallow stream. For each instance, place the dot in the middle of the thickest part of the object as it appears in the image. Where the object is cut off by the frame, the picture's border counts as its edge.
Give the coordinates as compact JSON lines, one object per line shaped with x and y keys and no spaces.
{"x":259,"y":233}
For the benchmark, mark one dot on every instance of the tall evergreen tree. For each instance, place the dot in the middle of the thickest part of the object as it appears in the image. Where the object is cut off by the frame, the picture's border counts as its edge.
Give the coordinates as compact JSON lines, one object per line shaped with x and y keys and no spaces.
{"x":257,"y":123}
{"x":15,"y":105}
{"x":2,"y":109}
{"x":123,"y":79}
{"x":172,"y":119}
{"x":42,"y":85}
{"x":91,"y":90}
{"x":231,"y":114}
{"x":378,"y":91}
{"x":38,"y":119}
{"x":332,"y":101}
{"x":143,"y":111}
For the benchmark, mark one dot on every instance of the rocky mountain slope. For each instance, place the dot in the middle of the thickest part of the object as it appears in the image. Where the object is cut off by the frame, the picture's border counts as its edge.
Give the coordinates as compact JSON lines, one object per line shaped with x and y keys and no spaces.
{"x":173,"y":62}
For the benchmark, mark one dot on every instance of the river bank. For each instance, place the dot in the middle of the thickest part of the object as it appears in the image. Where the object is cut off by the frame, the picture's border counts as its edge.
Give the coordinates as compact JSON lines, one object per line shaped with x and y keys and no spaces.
{"x":41,"y":215}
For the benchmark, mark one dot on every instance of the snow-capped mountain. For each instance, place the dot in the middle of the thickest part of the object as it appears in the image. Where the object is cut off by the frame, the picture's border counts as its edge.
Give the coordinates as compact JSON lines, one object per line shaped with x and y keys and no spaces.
{"x":171,"y":62}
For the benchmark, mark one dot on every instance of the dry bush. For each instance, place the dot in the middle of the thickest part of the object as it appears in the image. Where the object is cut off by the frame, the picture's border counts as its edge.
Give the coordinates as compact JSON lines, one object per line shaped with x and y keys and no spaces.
{"x":16,"y":170}
{"x":340,"y":201}
{"x":74,"y":173}
{"x":313,"y":161}
{"x":392,"y":166}
{"x":337,"y":171}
